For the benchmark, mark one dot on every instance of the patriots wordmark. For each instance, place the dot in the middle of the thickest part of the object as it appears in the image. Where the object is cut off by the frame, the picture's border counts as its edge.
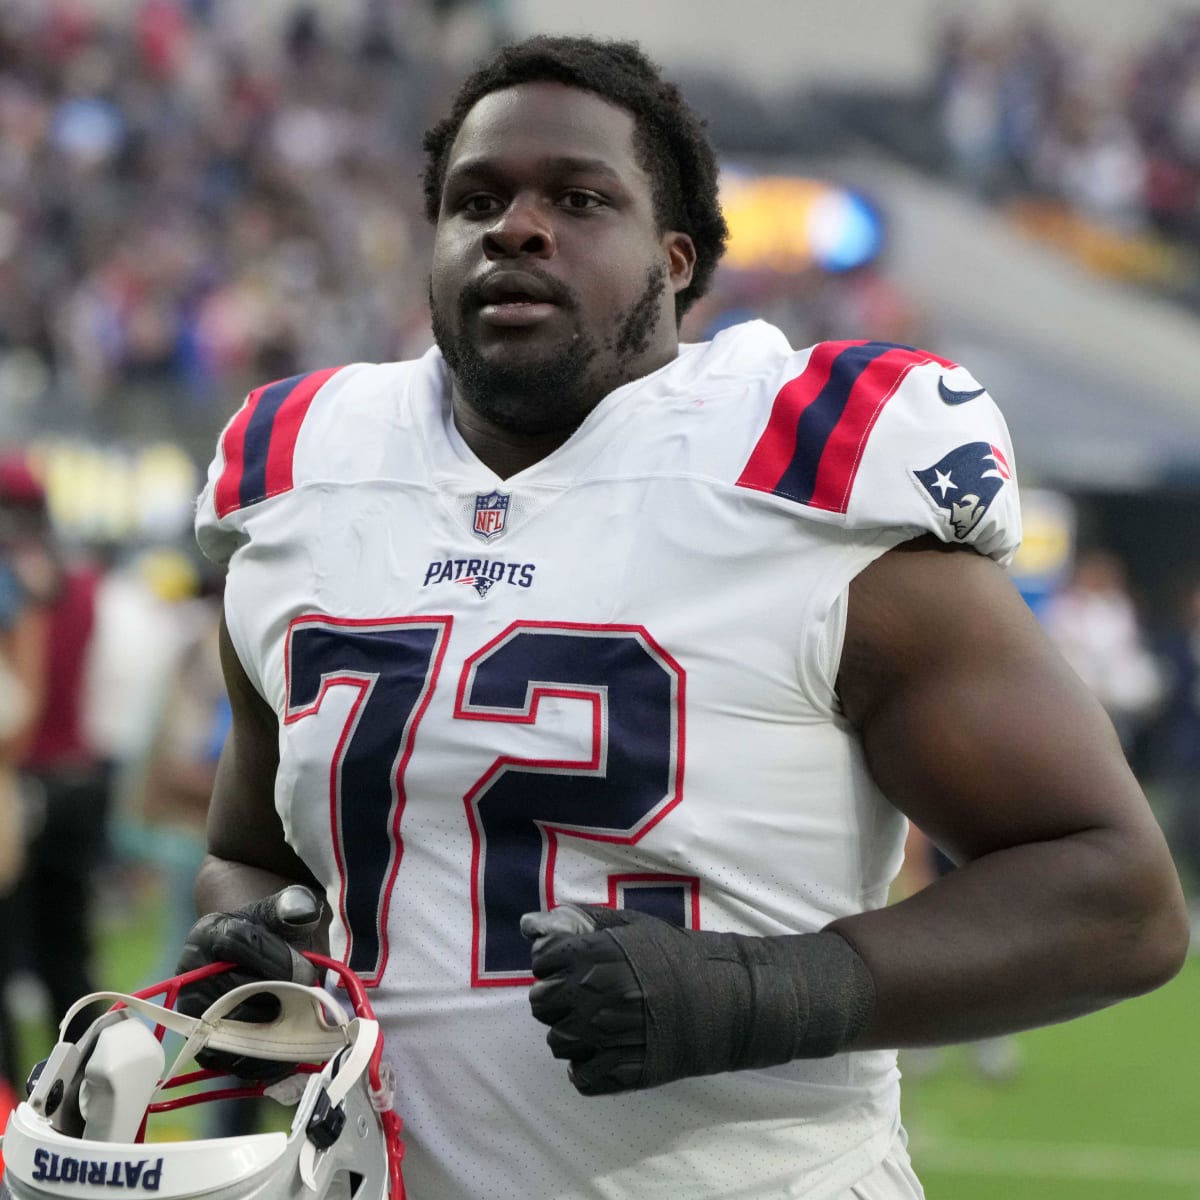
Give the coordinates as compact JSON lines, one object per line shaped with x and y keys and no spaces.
{"x":480,"y":573}
{"x":143,"y":1174}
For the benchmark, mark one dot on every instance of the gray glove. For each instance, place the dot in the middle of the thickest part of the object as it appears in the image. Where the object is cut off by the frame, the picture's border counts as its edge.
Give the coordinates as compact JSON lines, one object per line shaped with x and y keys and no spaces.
{"x":633,"y":1001}
{"x":589,"y":995}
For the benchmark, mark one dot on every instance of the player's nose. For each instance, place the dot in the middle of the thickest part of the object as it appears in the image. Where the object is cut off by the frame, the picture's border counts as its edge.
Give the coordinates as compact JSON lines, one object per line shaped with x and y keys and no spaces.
{"x":524,"y":227}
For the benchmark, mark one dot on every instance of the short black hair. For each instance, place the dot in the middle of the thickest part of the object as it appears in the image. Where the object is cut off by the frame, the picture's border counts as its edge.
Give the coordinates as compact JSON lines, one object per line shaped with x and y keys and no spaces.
{"x":670,"y":137}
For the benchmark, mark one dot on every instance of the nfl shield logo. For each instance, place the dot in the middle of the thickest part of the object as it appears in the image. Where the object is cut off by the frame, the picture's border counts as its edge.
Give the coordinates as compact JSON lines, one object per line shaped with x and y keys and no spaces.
{"x":490,"y":514}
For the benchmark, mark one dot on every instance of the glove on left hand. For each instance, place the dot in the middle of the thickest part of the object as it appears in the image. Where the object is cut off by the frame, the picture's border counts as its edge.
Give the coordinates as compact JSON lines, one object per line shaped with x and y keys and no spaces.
{"x":589,"y":995}
{"x":633,"y":1001}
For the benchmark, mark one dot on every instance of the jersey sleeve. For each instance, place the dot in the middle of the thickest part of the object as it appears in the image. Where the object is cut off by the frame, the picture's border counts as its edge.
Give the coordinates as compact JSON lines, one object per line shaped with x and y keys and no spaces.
{"x":255,"y":459}
{"x":871,"y":435}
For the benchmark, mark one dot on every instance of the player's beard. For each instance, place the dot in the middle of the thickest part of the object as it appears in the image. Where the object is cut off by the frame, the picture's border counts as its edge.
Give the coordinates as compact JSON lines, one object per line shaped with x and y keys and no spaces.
{"x":556,"y":390}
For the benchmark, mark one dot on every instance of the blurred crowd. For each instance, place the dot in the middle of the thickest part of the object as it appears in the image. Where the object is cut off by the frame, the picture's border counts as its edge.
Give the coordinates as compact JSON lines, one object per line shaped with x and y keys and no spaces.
{"x":188,"y":206}
{"x":1030,"y":114}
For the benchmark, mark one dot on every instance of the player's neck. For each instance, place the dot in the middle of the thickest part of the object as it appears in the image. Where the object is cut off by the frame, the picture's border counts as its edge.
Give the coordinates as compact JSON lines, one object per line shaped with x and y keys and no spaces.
{"x":491,"y":421}
{"x":504,"y":451}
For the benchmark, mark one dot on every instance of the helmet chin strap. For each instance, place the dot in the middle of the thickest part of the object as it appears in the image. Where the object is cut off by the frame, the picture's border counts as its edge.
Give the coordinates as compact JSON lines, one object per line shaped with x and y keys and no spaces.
{"x":310,"y":1025}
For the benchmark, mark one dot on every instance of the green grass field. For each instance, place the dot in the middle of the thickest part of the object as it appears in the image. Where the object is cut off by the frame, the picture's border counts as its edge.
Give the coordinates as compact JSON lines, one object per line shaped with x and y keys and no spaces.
{"x":1103,"y":1108}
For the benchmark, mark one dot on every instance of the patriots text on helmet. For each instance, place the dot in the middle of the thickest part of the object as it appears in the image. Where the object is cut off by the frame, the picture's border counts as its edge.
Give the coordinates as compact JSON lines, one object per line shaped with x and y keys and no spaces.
{"x":142,"y":1174}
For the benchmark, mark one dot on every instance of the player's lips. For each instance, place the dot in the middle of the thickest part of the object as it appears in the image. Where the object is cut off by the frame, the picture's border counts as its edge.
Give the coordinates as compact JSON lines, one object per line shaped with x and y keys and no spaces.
{"x":513,"y":298}
{"x":516,"y":312}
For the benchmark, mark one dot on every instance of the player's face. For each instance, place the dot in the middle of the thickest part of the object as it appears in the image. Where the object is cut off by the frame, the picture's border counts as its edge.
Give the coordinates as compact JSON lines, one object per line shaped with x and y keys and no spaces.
{"x":552,"y":283}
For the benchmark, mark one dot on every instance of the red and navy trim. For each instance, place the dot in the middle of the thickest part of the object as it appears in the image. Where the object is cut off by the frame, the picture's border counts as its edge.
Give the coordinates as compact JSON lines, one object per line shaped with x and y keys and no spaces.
{"x":821,"y":420}
{"x":259,"y":445}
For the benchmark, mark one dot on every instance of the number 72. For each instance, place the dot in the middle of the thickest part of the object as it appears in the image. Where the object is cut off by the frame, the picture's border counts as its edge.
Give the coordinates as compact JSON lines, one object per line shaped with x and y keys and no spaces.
{"x":518,"y":808}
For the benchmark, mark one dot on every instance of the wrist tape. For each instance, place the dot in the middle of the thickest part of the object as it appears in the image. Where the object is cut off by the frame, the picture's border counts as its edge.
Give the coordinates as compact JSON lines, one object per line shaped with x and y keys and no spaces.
{"x":728,"y":1002}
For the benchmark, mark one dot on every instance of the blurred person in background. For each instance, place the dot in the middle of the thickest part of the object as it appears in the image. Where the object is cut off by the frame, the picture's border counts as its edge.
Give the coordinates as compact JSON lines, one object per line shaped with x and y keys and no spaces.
{"x":472,"y":602}
{"x":22,"y":651}
{"x":164,"y":800}
{"x":146,"y":599}
{"x":1176,"y":740}
{"x":47,"y":922}
{"x":1095,"y":623}
{"x":165,"y":794}
{"x":14,"y":712}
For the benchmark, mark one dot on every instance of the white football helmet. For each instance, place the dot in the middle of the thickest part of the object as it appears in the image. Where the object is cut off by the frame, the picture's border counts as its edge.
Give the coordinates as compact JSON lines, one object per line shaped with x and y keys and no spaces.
{"x":81,"y":1132}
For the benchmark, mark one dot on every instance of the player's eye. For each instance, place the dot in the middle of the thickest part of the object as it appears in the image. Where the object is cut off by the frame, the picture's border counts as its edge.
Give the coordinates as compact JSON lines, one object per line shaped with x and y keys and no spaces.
{"x":580,"y":201}
{"x":479,"y":204}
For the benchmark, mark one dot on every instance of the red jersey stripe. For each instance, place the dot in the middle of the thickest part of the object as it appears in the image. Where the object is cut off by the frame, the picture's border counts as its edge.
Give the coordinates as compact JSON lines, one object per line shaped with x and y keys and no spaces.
{"x":848,"y":438}
{"x":259,"y":444}
{"x":227,"y":492}
{"x":776,"y":446}
{"x":286,"y":429}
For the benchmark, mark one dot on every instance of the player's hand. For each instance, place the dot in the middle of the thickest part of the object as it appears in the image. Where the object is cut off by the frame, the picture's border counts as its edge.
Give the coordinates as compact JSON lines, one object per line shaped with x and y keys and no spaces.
{"x":589,"y":995}
{"x":264,"y":940}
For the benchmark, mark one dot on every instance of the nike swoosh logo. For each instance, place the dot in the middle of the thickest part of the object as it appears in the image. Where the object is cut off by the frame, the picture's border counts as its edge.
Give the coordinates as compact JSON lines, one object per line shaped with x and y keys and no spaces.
{"x":950,"y":396}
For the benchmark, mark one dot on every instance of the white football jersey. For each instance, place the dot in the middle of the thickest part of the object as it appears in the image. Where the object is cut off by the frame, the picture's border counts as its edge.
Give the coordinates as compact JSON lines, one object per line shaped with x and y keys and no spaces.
{"x":607,"y":679}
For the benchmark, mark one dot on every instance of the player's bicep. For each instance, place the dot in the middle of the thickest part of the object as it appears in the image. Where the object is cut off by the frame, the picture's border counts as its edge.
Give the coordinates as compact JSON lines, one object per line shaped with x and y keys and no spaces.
{"x":971,"y":722}
{"x":243,"y":826}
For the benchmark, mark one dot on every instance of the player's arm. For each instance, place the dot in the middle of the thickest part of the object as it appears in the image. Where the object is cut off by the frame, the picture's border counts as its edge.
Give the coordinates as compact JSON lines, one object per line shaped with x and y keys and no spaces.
{"x":973,"y":725}
{"x":248,"y":857}
{"x":976,"y":727}
{"x":255,"y":917}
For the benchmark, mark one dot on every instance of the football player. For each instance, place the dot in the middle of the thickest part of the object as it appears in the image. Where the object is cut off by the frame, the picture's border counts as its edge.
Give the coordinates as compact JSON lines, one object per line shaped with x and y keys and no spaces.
{"x":587,"y":678}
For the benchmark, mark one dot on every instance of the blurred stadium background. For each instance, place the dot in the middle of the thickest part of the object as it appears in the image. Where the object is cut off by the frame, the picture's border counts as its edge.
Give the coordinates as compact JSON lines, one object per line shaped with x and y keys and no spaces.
{"x":197,"y":196}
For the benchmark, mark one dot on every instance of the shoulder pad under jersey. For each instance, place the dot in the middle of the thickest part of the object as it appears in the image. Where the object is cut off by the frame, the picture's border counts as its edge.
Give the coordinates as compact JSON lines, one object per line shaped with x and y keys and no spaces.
{"x":875,"y":435}
{"x":261,"y":453}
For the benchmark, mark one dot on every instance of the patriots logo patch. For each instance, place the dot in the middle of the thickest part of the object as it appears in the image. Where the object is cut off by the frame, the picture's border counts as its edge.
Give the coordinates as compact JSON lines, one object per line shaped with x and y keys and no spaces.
{"x":491,"y":512}
{"x":964,"y":483}
{"x":481,"y":583}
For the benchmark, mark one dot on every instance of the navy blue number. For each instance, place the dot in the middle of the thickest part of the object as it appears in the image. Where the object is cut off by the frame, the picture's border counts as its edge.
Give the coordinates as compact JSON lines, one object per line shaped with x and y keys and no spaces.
{"x":667,"y":901}
{"x":393,"y":665}
{"x":615,"y":791}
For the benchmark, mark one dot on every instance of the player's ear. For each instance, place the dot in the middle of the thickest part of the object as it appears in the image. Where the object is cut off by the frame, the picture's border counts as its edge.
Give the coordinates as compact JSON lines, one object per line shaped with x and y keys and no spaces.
{"x":681,"y":258}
